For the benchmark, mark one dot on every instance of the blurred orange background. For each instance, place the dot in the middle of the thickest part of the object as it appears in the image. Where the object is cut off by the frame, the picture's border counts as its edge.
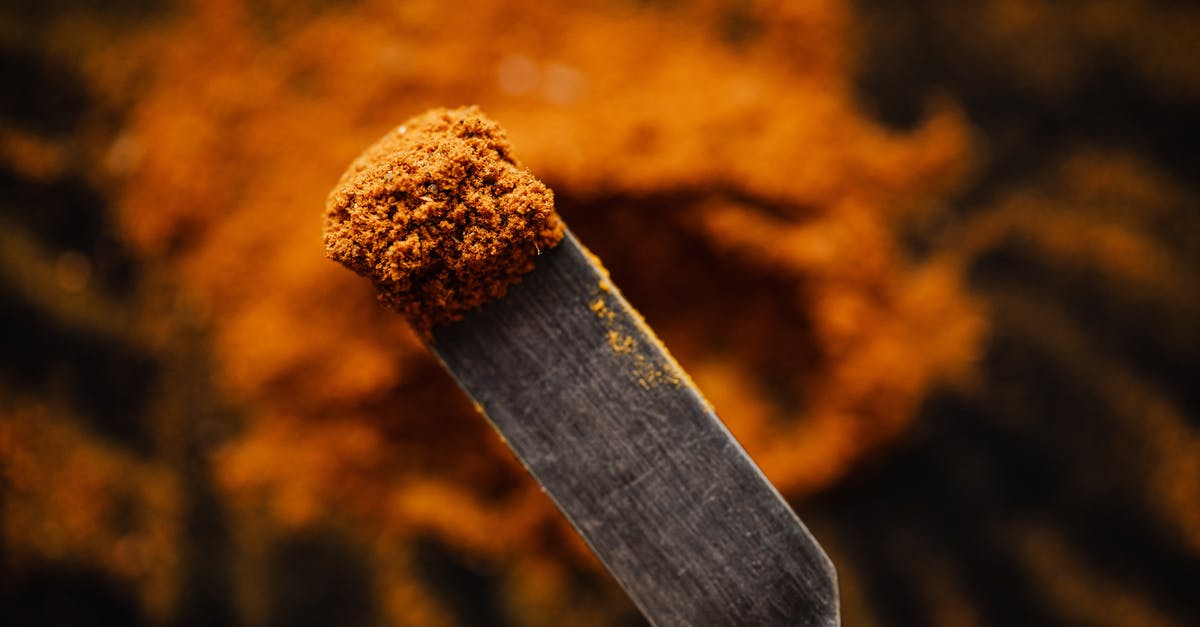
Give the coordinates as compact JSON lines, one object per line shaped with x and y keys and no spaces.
{"x":936,"y":265}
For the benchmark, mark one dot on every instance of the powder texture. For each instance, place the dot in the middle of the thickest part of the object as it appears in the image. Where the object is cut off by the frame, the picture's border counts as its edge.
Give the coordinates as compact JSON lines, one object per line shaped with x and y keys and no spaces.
{"x":440,"y":215}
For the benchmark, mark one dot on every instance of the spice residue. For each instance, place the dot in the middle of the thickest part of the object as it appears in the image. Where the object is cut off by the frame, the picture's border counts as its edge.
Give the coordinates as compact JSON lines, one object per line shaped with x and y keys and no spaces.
{"x":622,"y":339}
{"x":440,"y":215}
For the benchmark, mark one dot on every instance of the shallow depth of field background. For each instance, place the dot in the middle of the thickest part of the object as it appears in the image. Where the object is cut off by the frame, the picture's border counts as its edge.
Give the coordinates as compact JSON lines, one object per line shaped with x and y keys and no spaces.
{"x":937,"y":265}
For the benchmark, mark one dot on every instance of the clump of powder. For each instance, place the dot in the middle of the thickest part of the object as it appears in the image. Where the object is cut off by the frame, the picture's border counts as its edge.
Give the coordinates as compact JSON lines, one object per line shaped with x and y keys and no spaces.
{"x":440,"y":215}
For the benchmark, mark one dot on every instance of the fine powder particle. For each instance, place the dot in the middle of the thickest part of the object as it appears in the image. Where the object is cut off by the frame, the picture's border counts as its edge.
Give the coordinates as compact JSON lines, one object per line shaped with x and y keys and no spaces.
{"x":440,"y":215}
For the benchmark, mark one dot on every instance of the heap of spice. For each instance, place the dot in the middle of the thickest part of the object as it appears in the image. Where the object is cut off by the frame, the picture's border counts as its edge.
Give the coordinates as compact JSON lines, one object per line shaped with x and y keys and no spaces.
{"x":440,"y":215}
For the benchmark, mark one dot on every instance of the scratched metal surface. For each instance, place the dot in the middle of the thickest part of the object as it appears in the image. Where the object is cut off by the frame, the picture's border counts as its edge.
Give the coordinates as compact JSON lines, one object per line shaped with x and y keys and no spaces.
{"x":633,"y":456}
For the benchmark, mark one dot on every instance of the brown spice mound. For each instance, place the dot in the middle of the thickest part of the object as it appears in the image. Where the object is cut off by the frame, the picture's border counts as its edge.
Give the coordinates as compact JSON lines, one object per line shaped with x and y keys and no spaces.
{"x":440,"y":215}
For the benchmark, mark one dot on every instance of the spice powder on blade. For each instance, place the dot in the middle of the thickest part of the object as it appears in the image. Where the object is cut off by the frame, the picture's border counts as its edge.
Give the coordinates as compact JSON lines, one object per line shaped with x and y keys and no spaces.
{"x":440,"y":215}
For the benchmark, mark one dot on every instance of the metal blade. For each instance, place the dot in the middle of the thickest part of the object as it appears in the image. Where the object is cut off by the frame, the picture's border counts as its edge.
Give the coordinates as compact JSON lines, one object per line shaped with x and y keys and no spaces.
{"x":626,"y":447}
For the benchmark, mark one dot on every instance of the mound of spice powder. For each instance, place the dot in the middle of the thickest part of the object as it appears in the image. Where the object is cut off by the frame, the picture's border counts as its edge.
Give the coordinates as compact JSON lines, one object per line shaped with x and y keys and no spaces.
{"x":440,"y":215}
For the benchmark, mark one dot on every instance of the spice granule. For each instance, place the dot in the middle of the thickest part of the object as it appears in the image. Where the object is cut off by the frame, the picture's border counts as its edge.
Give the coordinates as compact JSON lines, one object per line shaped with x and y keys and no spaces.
{"x":440,"y":215}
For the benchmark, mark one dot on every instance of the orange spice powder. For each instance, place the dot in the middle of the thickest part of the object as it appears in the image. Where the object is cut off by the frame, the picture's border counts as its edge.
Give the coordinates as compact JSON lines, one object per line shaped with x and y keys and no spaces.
{"x":440,"y":215}
{"x":737,"y":192}
{"x":732,"y":182}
